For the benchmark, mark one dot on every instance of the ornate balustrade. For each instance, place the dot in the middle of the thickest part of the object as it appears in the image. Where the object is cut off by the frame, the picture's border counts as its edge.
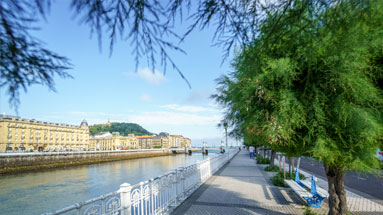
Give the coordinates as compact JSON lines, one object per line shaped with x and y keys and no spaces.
{"x":155,"y":196}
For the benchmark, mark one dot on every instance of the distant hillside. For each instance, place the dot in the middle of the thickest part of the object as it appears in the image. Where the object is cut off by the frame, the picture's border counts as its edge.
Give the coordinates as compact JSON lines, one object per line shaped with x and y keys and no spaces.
{"x":123,"y":128}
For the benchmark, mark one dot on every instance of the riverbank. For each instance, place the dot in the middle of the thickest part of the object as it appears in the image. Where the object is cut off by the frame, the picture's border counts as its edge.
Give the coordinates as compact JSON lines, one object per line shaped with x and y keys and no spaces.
{"x":25,"y":162}
{"x":41,"y":191}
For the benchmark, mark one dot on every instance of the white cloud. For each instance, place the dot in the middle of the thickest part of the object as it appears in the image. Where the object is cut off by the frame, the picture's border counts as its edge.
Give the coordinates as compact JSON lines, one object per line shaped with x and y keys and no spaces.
{"x":175,"y":118}
{"x":190,"y":121}
{"x":155,"y":78}
{"x":145,"y":97}
{"x":188,"y":108}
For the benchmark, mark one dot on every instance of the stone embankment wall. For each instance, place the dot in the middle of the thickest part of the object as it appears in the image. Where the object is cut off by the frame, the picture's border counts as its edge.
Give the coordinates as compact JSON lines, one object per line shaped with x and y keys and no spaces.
{"x":22,"y":162}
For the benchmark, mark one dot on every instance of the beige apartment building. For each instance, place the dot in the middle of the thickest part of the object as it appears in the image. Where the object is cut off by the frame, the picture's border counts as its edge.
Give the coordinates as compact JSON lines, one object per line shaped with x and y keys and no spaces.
{"x":175,"y":141}
{"x":19,"y":134}
{"x":129,"y":142}
{"x":180,"y":142}
{"x":113,"y":141}
{"x":161,"y":141}
{"x":166,"y":140}
{"x":145,"y":141}
{"x":187,"y":142}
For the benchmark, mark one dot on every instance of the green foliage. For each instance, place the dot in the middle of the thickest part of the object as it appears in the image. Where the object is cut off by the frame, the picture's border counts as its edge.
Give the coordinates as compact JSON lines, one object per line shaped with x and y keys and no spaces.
{"x":314,"y":87}
{"x":157,"y":147}
{"x":279,"y":181}
{"x":31,"y":150}
{"x":272,"y":168}
{"x":308,"y":211}
{"x":123,"y":128}
{"x":262,"y":160}
{"x":292,"y":176}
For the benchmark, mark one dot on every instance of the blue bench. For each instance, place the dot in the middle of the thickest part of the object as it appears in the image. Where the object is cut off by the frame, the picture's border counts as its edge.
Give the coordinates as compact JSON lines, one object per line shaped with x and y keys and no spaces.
{"x":312,"y":198}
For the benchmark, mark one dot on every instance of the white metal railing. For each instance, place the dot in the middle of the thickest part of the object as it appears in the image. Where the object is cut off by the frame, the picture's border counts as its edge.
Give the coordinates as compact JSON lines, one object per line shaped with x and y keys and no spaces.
{"x":160,"y":195}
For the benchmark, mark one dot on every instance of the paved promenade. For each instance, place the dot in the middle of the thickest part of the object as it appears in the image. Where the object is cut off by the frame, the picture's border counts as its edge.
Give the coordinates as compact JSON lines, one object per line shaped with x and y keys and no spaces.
{"x":243,"y":187}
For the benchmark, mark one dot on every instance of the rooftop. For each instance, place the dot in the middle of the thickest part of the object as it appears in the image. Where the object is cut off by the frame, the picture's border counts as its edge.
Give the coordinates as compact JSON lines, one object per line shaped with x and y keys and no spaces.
{"x":17,"y":118}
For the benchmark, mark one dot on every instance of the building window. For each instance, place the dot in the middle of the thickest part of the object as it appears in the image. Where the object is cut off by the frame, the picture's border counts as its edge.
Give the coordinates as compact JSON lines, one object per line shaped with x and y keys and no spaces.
{"x":9,"y":129}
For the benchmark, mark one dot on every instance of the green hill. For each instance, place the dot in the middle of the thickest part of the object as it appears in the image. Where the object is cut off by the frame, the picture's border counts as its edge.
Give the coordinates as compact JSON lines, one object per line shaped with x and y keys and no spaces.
{"x":123,"y":128}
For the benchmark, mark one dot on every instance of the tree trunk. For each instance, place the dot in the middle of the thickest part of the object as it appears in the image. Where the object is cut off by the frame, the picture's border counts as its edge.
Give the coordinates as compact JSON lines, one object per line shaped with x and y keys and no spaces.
{"x":279,"y":161}
{"x":272,"y":158}
{"x":289,"y":159}
{"x":299,"y":162}
{"x":255,"y":151}
{"x":284,"y":170}
{"x":293,"y":164}
{"x":264,"y":152}
{"x":337,"y":199}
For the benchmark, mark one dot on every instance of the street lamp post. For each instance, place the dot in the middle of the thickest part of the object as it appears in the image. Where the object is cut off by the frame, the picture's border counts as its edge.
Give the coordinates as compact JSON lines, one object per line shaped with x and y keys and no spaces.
{"x":225,"y":125}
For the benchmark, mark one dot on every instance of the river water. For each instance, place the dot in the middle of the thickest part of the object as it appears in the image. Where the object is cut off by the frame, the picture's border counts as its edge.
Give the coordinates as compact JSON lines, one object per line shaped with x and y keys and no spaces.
{"x":46,"y":191}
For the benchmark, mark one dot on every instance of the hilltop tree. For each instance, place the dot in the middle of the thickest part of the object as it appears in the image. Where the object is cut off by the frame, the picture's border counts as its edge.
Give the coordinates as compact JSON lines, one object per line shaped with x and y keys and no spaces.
{"x":123,"y":128}
{"x":314,"y":87}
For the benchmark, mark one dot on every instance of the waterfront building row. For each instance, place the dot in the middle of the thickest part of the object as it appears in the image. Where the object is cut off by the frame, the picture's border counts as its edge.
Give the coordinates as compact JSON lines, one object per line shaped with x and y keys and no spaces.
{"x":114,"y":141}
{"x":19,"y":134}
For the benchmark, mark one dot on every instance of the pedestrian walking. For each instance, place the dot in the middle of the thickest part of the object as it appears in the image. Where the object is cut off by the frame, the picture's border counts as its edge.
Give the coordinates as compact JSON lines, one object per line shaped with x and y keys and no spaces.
{"x":251,"y":150}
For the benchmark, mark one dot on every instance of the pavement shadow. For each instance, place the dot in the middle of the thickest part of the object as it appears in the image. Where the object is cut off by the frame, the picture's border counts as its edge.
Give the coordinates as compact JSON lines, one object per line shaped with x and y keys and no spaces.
{"x":211,"y":199}
{"x":193,"y":205}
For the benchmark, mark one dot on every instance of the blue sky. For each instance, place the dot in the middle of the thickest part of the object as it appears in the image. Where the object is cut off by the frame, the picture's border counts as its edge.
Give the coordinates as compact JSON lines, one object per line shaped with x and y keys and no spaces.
{"x":109,"y":87}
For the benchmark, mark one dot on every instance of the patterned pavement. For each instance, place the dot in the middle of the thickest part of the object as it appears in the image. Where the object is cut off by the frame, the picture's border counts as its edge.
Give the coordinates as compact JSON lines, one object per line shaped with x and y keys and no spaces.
{"x":242,"y":187}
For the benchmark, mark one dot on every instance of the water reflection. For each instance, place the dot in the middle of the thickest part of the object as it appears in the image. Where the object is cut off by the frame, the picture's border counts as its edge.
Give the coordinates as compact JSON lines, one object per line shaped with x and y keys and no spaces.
{"x":39,"y":192}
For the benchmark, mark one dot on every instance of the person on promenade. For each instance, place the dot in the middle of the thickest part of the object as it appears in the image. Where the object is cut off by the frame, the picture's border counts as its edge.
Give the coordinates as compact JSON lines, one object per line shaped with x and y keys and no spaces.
{"x":251,"y":150}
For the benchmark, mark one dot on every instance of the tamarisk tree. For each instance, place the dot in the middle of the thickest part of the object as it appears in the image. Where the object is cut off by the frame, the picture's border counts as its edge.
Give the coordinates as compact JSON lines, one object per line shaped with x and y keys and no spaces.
{"x":313,"y":87}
